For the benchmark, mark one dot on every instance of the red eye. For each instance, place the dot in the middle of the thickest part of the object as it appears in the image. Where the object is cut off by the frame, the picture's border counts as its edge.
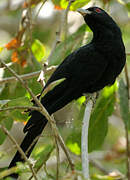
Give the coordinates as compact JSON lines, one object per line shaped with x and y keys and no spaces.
{"x":98,"y":10}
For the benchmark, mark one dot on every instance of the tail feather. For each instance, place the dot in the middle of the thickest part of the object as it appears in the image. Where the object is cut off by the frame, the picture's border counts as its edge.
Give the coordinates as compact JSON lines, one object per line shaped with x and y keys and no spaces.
{"x":54,"y":100}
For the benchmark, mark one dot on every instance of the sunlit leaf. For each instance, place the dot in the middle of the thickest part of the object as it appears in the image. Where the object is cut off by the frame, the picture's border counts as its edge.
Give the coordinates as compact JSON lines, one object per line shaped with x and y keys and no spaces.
{"x":108,"y":90}
{"x":22,"y":101}
{"x":75,"y":5}
{"x":81,"y":100}
{"x":38,"y":49}
{"x":74,"y":147}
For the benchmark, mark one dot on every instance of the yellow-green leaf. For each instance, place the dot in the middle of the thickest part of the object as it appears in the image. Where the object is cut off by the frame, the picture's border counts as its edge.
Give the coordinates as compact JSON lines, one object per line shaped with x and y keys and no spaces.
{"x":38,"y":49}
{"x":75,"y":5}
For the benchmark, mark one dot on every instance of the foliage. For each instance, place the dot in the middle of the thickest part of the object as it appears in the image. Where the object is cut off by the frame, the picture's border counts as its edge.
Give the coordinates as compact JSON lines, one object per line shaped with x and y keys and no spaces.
{"x":25,"y":53}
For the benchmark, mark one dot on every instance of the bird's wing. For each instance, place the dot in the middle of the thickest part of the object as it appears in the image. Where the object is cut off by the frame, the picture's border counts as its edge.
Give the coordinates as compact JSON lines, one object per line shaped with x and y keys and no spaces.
{"x":84,"y":64}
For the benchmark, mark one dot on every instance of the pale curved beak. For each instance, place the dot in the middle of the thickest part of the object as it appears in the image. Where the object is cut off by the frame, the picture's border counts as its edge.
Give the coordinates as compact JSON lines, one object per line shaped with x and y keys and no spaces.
{"x":83,"y":12}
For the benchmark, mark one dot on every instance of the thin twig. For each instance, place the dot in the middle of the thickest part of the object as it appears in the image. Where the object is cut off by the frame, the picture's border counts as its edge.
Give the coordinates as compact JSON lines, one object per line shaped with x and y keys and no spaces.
{"x":48,"y":71}
{"x":44,"y":112}
{"x":34,"y":141}
{"x":39,"y":9}
{"x":20,"y":150}
{"x":66,"y":152}
{"x":20,"y":107}
{"x":58,"y":159}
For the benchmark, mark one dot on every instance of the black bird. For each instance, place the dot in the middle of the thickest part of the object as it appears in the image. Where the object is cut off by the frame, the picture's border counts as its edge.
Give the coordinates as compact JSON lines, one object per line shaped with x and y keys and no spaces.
{"x":86,"y":70}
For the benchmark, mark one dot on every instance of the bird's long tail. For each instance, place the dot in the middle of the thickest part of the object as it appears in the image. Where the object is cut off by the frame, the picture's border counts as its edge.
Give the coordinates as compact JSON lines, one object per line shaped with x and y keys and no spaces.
{"x":52,"y":101}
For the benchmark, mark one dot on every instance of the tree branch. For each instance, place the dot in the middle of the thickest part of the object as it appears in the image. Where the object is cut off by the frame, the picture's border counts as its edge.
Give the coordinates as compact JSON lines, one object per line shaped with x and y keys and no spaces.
{"x":48,"y":71}
{"x":84,"y":138}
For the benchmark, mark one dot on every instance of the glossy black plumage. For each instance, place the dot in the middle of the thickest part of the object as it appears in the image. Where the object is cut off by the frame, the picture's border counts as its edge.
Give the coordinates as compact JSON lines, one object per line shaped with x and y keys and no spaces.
{"x":86,"y":70}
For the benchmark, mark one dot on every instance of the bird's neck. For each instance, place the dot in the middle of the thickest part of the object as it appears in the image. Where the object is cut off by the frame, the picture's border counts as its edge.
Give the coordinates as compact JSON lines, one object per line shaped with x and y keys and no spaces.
{"x":104,"y":40}
{"x":104,"y":35}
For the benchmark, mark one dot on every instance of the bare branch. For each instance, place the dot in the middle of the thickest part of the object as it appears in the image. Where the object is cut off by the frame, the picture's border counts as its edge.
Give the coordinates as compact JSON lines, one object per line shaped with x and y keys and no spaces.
{"x":40,"y":9}
{"x":58,"y":159}
{"x":84,"y":138}
{"x":48,"y":71}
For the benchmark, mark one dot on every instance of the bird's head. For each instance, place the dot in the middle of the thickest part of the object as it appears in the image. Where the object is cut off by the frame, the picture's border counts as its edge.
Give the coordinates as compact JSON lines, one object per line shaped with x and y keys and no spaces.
{"x":98,"y":19}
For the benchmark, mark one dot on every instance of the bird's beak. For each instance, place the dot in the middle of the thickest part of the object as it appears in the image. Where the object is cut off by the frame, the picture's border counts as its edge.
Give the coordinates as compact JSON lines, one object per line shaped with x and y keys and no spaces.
{"x":83,"y":12}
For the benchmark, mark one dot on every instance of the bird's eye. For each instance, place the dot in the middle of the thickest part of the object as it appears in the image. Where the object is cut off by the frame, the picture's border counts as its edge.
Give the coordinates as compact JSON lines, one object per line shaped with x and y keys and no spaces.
{"x":98,"y":10}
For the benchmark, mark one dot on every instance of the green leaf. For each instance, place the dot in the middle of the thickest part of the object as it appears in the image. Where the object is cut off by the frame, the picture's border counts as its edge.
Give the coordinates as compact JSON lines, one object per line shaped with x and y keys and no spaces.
{"x":98,"y":126}
{"x":6,"y":121}
{"x":38,"y":49}
{"x":22,"y":101}
{"x":75,"y":5}
{"x":74,"y":139}
{"x":98,"y":121}
{"x":124,"y":104}
{"x":43,"y":156}
{"x":74,"y":147}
